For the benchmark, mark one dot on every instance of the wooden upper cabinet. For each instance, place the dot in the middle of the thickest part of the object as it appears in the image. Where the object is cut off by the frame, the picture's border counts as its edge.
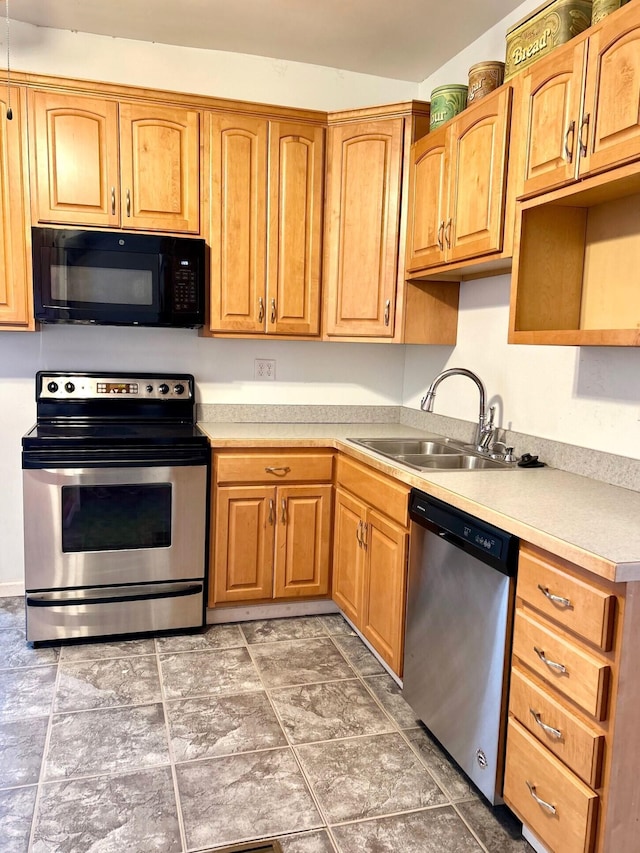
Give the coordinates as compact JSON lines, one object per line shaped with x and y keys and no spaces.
{"x":160,"y":167}
{"x":75,"y":167}
{"x":457,"y":186}
{"x":98,"y":163}
{"x":15,"y":256}
{"x":296,"y":174}
{"x":363,"y":204}
{"x":552,"y":96}
{"x":478,"y":159}
{"x":429,"y":198}
{"x":238,"y":222}
{"x":612,"y":94}
{"x":266,"y":183}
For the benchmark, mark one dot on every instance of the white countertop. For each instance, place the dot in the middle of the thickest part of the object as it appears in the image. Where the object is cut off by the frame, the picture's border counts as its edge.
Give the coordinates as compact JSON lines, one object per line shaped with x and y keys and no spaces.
{"x":585,"y":521}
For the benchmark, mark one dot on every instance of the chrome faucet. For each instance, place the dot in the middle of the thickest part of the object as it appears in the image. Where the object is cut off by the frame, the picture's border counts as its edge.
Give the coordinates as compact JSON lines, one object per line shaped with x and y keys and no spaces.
{"x":485,"y":428}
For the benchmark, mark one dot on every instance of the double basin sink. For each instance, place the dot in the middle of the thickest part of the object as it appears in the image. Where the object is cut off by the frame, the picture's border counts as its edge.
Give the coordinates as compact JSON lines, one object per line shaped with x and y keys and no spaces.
{"x":437,"y":453}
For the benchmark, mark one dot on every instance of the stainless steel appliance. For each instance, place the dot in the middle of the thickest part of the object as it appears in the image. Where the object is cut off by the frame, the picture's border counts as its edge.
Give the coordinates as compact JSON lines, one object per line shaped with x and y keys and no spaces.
{"x":116,"y":485}
{"x":460,"y":601}
{"x":120,"y":279}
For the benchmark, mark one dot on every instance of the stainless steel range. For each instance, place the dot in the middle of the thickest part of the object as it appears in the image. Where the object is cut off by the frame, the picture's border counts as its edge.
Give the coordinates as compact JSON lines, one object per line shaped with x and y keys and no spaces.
{"x":116,"y":484}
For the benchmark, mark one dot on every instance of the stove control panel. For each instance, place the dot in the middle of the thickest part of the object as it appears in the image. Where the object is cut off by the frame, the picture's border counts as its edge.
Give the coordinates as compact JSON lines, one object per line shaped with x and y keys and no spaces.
{"x":79,"y":387}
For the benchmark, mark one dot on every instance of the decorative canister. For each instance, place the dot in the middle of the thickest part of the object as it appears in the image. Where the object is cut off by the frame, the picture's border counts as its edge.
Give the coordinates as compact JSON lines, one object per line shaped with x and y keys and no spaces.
{"x":543,"y":29}
{"x":446,"y":102}
{"x":484,"y":77}
{"x":601,"y":8}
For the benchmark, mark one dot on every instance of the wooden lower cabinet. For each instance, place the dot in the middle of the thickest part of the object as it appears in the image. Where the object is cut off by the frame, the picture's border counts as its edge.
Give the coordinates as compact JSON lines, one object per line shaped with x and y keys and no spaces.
{"x":270,"y":541}
{"x":370,"y":564}
{"x":573,"y":736}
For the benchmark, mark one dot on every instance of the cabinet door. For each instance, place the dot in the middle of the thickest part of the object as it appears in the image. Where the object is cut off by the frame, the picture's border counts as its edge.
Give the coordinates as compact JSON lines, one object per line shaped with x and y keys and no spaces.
{"x":74,"y":146}
{"x":244,"y":527}
{"x":303,"y":537}
{"x":612,"y":97}
{"x":160,"y":162}
{"x":428,"y":199}
{"x":363,"y":204}
{"x":348,"y":555}
{"x":238,"y":215}
{"x":552,"y":92}
{"x":15,"y":265}
{"x":478,"y":160}
{"x":296,"y":170}
{"x":385,"y":588}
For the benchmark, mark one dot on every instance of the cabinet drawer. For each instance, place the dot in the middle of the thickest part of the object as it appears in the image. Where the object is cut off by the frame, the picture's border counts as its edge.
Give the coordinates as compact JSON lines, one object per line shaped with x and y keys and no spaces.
{"x":380,"y":492}
{"x":576,"y":605}
{"x":577,"y":744}
{"x":270,"y":467}
{"x":533,"y":770}
{"x":579,"y":675}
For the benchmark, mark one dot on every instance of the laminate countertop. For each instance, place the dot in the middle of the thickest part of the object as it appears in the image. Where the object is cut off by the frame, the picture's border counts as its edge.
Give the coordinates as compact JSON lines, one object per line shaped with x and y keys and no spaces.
{"x":585,"y":521}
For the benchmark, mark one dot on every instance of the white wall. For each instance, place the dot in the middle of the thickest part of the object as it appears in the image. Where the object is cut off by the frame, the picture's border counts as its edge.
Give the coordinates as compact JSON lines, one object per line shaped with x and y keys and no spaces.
{"x":588,"y":396}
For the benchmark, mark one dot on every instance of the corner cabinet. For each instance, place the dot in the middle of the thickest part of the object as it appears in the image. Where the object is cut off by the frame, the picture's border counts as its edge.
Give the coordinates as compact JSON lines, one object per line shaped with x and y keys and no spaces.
{"x":16,"y":312}
{"x":573,"y":707}
{"x":271,"y":517}
{"x":458,"y":190}
{"x":582,"y":105}
{"x":365,"y":294}
{"x":96,"y":162}
{"x":370,"y":556}
{"x":265,"y":225}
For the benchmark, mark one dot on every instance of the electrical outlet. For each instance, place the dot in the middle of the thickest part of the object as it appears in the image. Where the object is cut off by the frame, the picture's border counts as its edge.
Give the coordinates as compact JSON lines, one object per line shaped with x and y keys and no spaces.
{"x":264,"y":369}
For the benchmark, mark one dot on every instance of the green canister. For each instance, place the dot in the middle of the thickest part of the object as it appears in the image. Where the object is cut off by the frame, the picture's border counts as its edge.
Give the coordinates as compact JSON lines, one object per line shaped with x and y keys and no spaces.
{"x":446,"y":102}
{"x":601,"y":8}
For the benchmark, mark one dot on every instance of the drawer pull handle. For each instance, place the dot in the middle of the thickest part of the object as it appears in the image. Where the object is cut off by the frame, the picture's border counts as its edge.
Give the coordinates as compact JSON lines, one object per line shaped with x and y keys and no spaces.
{"x":283,"y":516}
{"x":557,"y":599}
{"x":278,"y":470}
{"x":548,"y":729}
{"x":543,"y":803}
{"x":551,"y":663}
{"x":270,"y":510}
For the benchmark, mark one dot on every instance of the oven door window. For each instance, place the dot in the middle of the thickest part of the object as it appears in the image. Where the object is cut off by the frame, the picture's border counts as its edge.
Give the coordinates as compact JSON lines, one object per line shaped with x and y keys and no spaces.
{"x":116,"y":518}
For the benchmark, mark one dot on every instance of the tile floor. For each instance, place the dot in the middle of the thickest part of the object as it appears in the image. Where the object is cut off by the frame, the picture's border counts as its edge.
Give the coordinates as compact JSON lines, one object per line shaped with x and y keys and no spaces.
{"x":286,"y":728}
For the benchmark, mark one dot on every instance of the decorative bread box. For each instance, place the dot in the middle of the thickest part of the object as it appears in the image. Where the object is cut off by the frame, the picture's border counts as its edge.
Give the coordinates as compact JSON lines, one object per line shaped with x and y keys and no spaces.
{"x":548,"y":26}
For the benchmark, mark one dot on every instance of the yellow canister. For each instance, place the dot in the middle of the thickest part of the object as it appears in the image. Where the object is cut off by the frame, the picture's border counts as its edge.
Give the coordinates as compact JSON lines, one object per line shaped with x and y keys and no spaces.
{"x":484,"y":77}
{"x":601,"y":8}
{"x":446,"y":102}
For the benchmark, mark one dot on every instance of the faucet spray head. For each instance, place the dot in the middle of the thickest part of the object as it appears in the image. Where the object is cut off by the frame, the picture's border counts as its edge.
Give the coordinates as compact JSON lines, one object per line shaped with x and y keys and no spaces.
{"x":426,"y":404}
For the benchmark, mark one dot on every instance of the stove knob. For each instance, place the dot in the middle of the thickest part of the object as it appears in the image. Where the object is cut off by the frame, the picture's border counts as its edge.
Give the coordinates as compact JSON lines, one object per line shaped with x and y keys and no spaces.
{"x":52,"y":387}
{"x":178,"y":389}
{"x":164,"y":388}
{"x":69,"y":387}
{"x":149,"y":389}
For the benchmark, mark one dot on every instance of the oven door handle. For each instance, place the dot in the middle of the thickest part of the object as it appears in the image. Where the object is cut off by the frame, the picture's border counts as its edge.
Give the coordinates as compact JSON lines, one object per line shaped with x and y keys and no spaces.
{"x":111,"y":596}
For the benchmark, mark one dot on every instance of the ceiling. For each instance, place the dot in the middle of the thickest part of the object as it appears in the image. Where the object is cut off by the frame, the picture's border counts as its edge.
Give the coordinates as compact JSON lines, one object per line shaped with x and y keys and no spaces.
{"x":402,"y":39}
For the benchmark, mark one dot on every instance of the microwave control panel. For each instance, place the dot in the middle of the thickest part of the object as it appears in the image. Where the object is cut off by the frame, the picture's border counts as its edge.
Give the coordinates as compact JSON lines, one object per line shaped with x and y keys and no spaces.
{"x":185,"y":287}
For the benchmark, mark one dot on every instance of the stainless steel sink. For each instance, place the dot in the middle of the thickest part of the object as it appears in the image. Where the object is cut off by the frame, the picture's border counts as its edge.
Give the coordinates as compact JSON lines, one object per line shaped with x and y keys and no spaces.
{"x":433,"y":453}
{"x":395,"y":446}
{"x":451,"y":462}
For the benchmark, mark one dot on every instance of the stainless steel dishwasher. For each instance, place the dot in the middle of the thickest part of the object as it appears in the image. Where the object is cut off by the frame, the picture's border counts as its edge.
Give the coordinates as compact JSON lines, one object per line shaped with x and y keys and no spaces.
{"x":460,"y":601}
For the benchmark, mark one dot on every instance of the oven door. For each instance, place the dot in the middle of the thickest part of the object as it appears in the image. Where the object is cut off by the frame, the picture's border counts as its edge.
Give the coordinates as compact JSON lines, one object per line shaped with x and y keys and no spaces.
{"x":103,"y":526}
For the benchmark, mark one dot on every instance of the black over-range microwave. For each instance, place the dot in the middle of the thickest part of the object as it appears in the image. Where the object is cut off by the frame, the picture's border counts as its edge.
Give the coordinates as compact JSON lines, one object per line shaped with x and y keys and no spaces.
{"x":118,"y":279}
